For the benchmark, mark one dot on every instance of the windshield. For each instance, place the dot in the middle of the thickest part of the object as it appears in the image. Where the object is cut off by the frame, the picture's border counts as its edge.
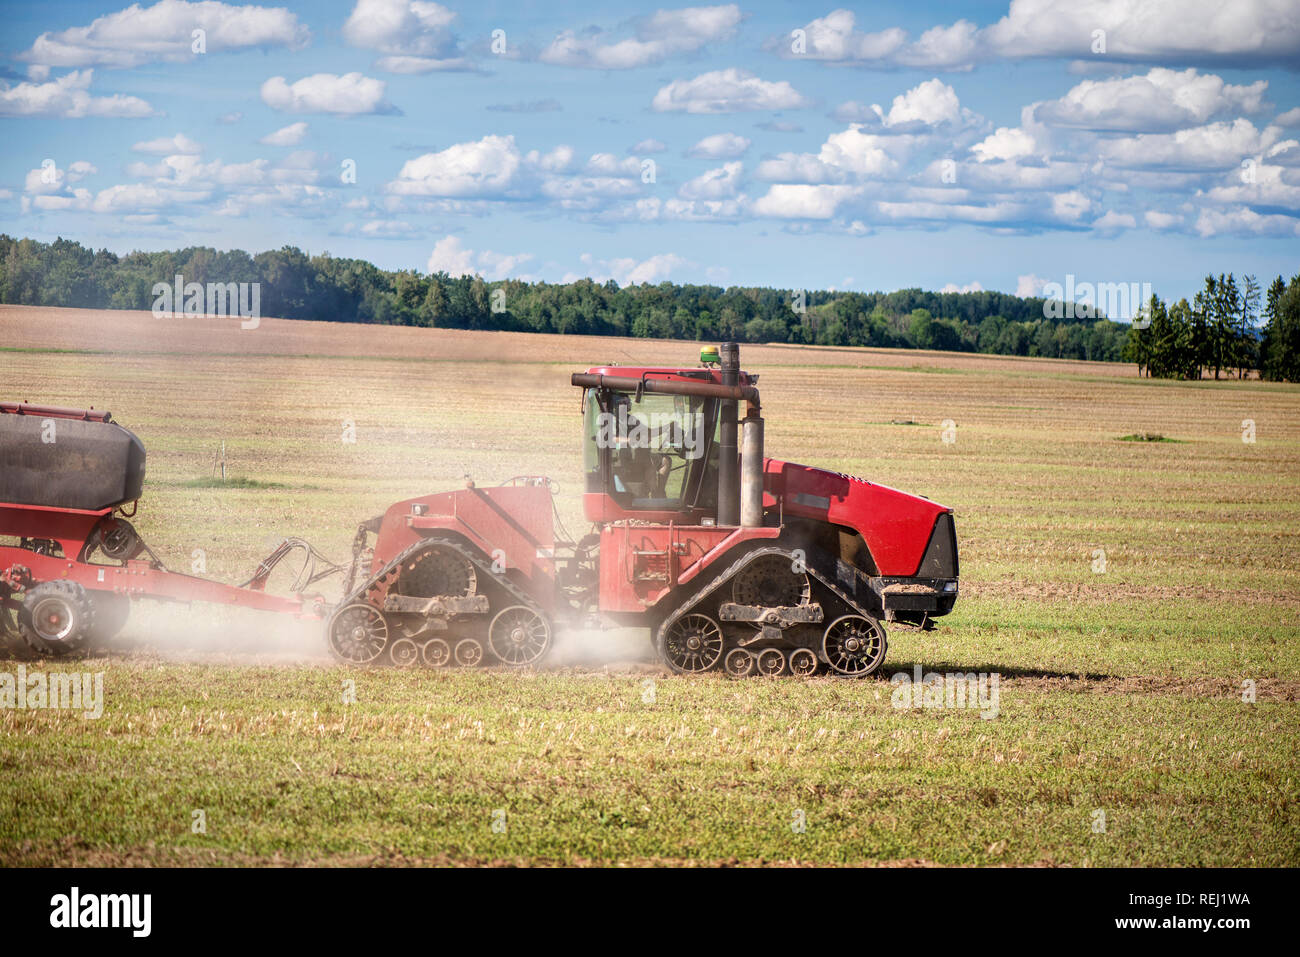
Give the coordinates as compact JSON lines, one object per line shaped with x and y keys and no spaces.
{"x":654,"y":448}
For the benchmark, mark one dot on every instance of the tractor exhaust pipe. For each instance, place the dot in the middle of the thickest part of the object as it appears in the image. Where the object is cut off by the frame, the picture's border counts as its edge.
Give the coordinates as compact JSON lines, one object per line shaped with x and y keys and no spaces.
{"x":728,"y":479}
{"x":751,"y":470}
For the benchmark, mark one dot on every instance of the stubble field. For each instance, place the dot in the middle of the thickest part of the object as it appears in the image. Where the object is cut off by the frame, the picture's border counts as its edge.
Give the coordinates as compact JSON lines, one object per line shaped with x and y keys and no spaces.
{"x":1130,"y":594}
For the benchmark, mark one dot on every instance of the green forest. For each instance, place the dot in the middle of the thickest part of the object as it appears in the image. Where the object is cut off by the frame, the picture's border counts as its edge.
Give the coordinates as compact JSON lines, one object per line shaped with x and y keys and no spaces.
{"x":1216,"y":332}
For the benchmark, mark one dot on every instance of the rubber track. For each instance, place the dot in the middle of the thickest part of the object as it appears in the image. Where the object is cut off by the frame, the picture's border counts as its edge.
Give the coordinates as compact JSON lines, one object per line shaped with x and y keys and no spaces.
{"x":465,"y":551}
{"x":740,"y":563}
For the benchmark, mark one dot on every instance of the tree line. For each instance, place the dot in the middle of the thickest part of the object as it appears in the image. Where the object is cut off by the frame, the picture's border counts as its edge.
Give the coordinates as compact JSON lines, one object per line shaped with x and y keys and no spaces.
{"x":1218,"y":332}
{"x":295,"y":285}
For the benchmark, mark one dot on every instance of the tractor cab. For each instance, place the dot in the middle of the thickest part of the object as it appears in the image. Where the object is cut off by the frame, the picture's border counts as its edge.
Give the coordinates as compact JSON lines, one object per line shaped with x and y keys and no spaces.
{"x":654,"y":455}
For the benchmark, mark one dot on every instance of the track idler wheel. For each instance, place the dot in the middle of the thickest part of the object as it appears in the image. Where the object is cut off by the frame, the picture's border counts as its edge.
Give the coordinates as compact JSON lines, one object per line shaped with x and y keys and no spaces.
{"x":855,"y":646}
{"x":692,"y":644}
{"x":469,"y":652}
{"x":518,"y":636}
{"x":803,"y":663}
{"x":436,"y":653}
{"x":57,"y":618}
{"x":739,"y":663}
{"x":358,"y":633}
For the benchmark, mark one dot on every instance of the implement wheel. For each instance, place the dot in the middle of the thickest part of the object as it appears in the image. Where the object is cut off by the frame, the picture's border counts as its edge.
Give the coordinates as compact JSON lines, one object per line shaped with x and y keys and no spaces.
{"x":57,"y":618}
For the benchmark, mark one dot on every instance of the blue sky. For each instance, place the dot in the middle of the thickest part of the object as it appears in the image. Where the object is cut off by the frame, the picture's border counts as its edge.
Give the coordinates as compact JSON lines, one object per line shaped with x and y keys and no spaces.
{"x":986,"y":145}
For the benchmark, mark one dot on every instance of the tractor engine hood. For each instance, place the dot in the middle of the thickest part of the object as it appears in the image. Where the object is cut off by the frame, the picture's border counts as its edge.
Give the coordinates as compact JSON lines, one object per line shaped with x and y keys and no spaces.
{"x":896,"y":527}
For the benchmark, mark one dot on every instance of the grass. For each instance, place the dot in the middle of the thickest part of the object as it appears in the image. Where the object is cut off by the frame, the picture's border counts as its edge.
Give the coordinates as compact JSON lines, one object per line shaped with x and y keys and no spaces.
{"x":1147,"y":437}
{"x":1125,"y":675}
{"x":235,"y":481}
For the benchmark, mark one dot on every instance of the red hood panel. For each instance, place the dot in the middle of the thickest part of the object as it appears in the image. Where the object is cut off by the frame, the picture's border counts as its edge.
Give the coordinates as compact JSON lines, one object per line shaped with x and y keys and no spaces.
{"x":895,"y":525}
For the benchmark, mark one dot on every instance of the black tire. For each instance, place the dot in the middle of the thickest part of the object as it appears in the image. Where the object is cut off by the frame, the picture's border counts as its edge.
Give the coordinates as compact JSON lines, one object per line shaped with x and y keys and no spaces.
{"x":57,"y":618}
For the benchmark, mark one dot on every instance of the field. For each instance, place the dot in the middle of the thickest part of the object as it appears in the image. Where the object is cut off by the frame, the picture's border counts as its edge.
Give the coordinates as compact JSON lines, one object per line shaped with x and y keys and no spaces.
{"x":1139,"y":599}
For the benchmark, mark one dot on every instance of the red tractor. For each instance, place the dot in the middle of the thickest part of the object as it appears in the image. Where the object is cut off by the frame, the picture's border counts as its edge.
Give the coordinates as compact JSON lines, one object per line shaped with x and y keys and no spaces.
{"x":731,"y":559}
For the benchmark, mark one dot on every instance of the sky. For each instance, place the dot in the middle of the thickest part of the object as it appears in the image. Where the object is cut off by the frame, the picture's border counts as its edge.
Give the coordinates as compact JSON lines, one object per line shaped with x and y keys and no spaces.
{"x":795,"y":145}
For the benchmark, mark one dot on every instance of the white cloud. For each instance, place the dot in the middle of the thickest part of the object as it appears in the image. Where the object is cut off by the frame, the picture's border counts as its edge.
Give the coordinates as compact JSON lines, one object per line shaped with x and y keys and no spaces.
{"x":1158,"y":220}
{"x":727,"y":91}
{"x":349,"y":94}
{"x":655,"y":38}
{"x":797,"y":168}
{"x":387,"y":229}
{"x":180,"y":143}
{"x":798,"y":201}
{"x":1246,"y":33}
{"x":1029,"y":286}
{"x":486,"y":168}
{"x":413,"y":35}
{"x":290,"y":135}
{"x":1186,"y":32}
{"x":1215,"y":146}
{"x":720,"y":183}
{"x":133,"y":197}
{"x":932,"y":103}
{"x":1245,"y":222}
{"x":1112,"y":221}
{"x":719,"y":146}
{"x":1004,"y":144}
{"x":858,"y":152}
{"x":607,"y":164}
{"x":835,"y":38}
{"x":1162,"y":100}
{"x":628,"y":271}
{"x":68,"y":96}
{"x":648,"y":146}
{"x":1291,"y":118}
{"x":969,"y":287}
{"x":923,"y":108}
{"x":452,"y":257}
{"x":1269,"y":189}
{"x":138,"y":35}
{"x":1069,"y":207}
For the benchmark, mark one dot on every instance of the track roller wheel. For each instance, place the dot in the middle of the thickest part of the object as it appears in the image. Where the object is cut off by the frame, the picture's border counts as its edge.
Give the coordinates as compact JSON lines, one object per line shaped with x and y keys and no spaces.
{"x":518,"y":636}
{"x":436,"y":653}
{"x":404,"y":653}
{"x":771,"y":662}
{"x":57,"y":618}
{"x":855,"y":646}
{"x":739,"y":663}
{"x":803,"y":662}
{"x":692,"y":644}
{"x":469,"y":652}
{"x":358,"y":633}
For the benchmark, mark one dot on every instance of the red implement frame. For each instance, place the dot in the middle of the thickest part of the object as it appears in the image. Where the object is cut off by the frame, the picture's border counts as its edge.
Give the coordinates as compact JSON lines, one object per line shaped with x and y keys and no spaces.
{"x":75,"y":532}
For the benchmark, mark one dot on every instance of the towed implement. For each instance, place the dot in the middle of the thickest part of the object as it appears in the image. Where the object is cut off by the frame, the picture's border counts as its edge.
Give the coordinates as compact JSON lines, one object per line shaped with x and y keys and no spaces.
{"x":70,"y":560}
{"x":734,"y":561}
